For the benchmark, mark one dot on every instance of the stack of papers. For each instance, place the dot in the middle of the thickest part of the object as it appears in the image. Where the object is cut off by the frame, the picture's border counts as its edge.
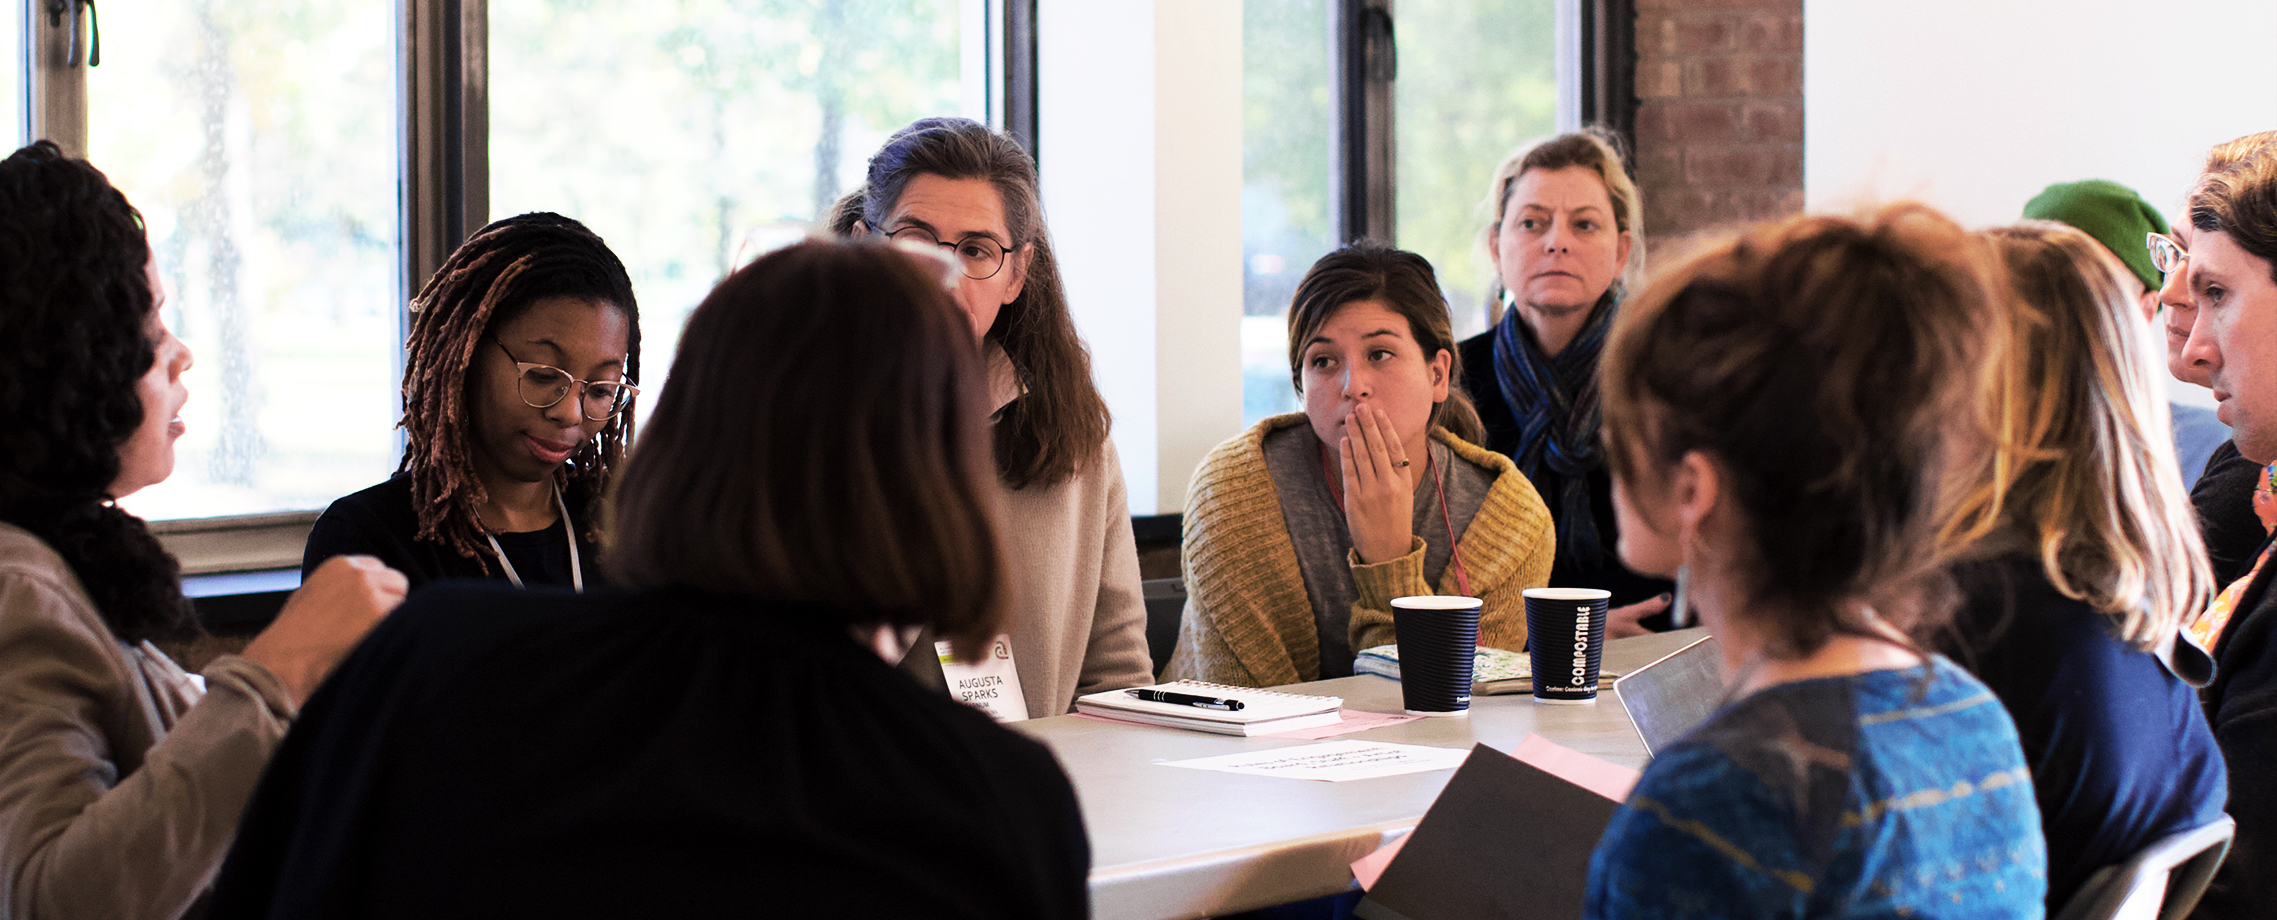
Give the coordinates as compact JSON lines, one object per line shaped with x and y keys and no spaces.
{"x":1262,"y":712}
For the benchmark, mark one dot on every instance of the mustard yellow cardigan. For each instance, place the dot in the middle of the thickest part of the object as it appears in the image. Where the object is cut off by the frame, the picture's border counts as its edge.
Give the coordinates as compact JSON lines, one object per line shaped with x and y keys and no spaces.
{"x":1248,"y":619}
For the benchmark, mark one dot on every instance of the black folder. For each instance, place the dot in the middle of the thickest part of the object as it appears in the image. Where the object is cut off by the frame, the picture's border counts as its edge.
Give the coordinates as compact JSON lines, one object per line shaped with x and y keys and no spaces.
{"x":1504,"y":840}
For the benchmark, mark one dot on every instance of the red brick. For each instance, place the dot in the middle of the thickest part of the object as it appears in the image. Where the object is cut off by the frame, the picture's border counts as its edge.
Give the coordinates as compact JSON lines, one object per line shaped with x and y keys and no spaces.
{"x":1716,"y":76}
{"x":1783,"y":6}
{"x":1780,"y":121}
{"x":1787,"y":166}
{"x":1659,"y":165}
{"x":1727,"y":166}
{"x":1662,"y":80}
{"x":1765,"y":34}
{"x":1708,"y":123}
{"x":1776,"y":77}
{"x":1703,"y":36}
{"x":1656,"y":35}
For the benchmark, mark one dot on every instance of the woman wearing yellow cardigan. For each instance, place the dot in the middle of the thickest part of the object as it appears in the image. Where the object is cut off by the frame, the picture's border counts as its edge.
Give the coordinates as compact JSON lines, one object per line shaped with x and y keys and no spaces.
{"x":1300,"y":531}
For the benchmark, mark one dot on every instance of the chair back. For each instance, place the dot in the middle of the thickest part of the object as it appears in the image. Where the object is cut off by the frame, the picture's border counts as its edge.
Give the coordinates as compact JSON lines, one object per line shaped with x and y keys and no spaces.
{"x":2163,"y":881}
{"x":1165,"y":601}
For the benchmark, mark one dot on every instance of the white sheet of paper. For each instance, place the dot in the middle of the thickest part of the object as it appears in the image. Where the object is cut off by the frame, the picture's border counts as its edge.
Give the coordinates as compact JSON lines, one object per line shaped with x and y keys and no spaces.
{"x":1332,"y":761}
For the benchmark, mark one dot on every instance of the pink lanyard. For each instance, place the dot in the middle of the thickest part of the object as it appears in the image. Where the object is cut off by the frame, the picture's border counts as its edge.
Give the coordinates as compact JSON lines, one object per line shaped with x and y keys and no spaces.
{"x":1430,"y":465}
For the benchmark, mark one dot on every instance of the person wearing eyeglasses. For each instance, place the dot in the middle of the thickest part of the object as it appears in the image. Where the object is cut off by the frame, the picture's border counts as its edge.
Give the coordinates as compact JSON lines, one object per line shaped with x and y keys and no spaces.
{"x":517,"y":393}
{"x":2118,"y":218}
{"x":2232,"y":524}
{"x":1080,"y":621}
{"x":2232,"y":278}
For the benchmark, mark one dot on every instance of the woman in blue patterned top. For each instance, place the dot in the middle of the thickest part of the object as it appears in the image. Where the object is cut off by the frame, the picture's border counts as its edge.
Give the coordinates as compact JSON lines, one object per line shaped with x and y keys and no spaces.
{"x":1777,"y":414}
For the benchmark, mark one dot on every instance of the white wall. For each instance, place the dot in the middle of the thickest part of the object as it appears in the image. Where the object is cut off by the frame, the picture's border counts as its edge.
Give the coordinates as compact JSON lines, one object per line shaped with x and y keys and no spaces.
{"x":1974,"y":106}
{"x":1140,"y":153}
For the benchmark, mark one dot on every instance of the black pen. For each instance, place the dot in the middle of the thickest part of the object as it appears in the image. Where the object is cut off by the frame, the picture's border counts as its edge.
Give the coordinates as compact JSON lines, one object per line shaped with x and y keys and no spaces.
{"x":1186,"y":699}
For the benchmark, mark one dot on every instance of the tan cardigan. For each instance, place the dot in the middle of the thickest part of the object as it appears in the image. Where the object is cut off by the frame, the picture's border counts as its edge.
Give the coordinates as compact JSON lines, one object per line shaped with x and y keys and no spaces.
{"x":1248,"y":619}
{"x":120,"y":781}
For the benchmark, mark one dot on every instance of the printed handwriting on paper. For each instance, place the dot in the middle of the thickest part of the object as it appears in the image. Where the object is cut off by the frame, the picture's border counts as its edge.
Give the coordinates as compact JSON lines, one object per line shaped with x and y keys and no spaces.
{"x":1332,"y":761}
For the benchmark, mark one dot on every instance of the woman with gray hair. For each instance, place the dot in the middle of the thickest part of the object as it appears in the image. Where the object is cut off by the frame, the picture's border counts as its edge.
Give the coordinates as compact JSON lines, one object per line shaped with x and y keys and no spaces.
{"x":1080,"y":625}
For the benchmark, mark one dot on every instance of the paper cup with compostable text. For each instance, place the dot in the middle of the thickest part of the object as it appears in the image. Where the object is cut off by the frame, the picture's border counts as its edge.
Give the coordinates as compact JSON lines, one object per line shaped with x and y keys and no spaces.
{"x":1565,"y":632}
{"x":1438,"y":642}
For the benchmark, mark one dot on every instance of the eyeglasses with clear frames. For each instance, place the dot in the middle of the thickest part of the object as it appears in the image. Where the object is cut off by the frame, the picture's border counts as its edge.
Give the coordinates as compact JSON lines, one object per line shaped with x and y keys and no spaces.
{"x":980,"y":256}
{"x":542,"y":386}
{"x":2166,"y":255}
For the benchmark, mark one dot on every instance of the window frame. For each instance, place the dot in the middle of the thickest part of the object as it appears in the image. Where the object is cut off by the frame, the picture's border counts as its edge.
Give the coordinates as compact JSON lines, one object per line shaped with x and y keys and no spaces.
{"x":1365,"y":68}
{"x":443,"y":180}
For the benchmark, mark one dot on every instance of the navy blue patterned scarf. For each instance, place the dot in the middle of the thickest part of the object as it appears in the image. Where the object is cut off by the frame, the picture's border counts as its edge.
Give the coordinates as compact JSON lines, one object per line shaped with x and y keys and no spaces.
{"x":1555,"y":403}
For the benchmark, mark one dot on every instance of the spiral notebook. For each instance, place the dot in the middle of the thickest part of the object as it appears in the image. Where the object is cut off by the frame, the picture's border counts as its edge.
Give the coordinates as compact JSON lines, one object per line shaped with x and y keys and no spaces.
{"x":1262,"y":712}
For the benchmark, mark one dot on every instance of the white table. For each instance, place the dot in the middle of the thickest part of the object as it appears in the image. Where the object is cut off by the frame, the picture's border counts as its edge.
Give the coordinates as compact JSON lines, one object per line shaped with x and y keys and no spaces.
{"x":1170,"y":843}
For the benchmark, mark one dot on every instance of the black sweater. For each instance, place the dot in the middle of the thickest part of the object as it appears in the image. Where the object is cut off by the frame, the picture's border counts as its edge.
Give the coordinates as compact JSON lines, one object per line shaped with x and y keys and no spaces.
{"x":2241,"y":705}
{"x":379,"y":521}
{"x":488,"y":752}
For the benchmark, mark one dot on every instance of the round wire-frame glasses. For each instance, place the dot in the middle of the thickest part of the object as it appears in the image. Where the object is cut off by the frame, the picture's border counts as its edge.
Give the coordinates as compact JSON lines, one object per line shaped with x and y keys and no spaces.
{"x":542,"y":386}
{"x":980,"y":256}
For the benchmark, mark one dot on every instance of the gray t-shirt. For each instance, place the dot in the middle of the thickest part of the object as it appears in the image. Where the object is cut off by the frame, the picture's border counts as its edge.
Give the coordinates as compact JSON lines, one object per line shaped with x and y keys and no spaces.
{"x":1316,"y":527}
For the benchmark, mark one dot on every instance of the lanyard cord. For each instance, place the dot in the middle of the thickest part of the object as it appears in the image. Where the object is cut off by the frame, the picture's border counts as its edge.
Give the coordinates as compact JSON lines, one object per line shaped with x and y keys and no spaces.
{"x":1431,"y":466}
{"x":568,"y":527}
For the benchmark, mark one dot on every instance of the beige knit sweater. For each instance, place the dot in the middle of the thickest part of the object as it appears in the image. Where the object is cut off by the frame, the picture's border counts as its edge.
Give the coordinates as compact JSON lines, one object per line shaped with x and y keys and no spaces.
{"x":1248,"y":620}
{"x":1079,"y":620}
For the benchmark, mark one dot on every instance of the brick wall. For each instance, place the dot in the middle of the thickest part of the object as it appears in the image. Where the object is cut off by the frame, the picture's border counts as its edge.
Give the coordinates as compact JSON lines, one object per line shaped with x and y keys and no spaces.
{"x":1719,"y":131}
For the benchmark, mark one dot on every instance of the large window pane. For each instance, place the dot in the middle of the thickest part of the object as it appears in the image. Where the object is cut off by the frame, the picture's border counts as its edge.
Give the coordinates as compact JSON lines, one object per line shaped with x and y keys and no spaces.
{"x":1476,"y":78}
{"x":1285,"y":99}
{"x":695,"y":134}
{"x":258,"y":138}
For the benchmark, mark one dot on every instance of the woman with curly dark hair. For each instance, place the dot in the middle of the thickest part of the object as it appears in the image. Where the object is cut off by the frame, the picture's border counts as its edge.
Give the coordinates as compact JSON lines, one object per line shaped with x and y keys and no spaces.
{"x":121,"y":778}
{"x":524,"y":348}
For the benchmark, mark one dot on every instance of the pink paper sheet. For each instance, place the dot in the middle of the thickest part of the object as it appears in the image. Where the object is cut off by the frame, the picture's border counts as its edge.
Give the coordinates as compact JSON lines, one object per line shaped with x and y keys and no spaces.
{"x":1605,"y":778}
{"x":1367,"y":869}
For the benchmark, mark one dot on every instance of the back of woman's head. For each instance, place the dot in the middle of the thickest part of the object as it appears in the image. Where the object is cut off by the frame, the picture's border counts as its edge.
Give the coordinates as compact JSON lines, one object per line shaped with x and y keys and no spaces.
{"x":823,"y":441}
{"x":497,"y":274}
{"x":1818,"y":363}
{"x":2081,"y":471}
{"x":75,"y":304}
{"x":1403,"y":282}
{"x":1061,"y":423}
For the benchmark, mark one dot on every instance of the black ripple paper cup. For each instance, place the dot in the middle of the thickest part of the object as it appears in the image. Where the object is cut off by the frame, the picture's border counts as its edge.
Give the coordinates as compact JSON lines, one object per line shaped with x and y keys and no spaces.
{"x":1438,"y":639}
{"x":1565,"y":633}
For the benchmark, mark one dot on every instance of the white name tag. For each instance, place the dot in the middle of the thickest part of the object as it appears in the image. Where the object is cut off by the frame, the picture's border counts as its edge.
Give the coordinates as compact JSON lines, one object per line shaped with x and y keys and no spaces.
{"x":990,"y":685}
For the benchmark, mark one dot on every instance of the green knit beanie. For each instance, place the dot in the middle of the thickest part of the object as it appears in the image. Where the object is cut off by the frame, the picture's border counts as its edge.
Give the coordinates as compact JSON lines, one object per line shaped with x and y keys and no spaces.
{"x":2111,"y":213}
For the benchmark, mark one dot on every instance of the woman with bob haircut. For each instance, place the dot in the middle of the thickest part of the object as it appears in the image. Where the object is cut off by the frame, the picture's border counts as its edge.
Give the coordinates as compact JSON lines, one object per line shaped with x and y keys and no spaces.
{"x":1079,"y":620}
{"x":121,"y":777}
{"x":1300,"y":531}
{"x":2083,"y":562}
{"x":719,"y":730}
{"x":517,"y":391}
{"x":1780,"y":415}
{"x":1566,"y":238}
